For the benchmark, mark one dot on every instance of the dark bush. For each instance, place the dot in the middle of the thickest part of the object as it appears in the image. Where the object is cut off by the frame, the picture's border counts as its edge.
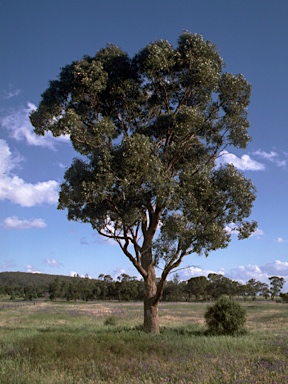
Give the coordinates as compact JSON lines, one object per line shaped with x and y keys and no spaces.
{"x":225,"y":317}
{"x":110,"y":320}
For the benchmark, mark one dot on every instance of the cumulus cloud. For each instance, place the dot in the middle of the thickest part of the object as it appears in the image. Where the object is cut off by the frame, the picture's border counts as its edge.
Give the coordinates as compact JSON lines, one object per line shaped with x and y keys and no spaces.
{"x":247,"y":272}
{"x":243,"y":273}
{"x":16,"y":190}
{"x":20,"y":129}
{"x":53,"y":263}
{"x":260,"y":272}
{"x":7,"y":161}
{"x":243,"y":163}
{"x":258,"y":233}
{"x":231,"y":229}
{"x":14,"y":223}
{"x":120,"y":271}
{"x":30,"y":268}
{"x":75,"y":274}
{"x":277,"y":267}
{"x":25,"y":194}
{"x":195,"y":271}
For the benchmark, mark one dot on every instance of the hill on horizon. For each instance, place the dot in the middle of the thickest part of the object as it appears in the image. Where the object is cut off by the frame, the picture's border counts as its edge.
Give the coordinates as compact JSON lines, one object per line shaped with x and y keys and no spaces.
{"x":29,"y":278}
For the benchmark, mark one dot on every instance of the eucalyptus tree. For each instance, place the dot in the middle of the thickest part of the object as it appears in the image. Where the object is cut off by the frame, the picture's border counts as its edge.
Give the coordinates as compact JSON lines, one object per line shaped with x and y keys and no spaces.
{"x":219,"y":285}
{"x":276,"y":284}
{"x":264,"y":290}
{"x":149,"y":130}
{"x":197,"y":286}
{"x":253,"y":287}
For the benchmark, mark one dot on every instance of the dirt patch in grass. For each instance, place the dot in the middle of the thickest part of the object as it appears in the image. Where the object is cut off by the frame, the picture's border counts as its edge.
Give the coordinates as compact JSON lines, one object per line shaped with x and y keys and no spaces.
{"x":268,"y":318}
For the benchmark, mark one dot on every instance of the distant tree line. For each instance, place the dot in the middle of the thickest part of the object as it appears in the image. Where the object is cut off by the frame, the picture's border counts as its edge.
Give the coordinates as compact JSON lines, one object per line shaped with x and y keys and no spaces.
{"x":19,"y":285}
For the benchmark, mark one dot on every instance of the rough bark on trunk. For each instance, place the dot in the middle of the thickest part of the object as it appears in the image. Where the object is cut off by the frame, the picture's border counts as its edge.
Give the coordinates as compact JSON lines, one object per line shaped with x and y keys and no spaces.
{"x":151,"y":319}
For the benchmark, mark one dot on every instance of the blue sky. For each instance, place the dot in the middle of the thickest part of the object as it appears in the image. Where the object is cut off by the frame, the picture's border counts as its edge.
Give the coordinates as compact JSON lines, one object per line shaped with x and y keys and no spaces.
{"x":37,"y":38}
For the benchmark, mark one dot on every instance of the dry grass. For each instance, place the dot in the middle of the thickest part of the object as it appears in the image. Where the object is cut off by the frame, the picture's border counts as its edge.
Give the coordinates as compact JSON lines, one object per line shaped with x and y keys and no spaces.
{"x":49,"y":343}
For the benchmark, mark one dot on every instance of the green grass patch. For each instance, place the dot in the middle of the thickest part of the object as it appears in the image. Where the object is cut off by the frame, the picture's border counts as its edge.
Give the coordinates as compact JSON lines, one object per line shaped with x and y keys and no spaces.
{"x":59,"y":343}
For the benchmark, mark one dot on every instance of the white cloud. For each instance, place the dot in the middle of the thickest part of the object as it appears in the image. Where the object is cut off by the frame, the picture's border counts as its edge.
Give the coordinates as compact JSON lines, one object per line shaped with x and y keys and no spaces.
{"x":7,"y":161}
{"x":260,"y":273}
{"x":277,"y":267}
{"x":12,"y":93}
{"x":247,"y":272}
{"x":258,"y":233}
{"x":53,"y":263}
{"x":280,"y":240}
{"x":118,"y":272}
{"x":62,"y":166}
{"x":190,"y":272}
{"x":30,"y":268}
{"x":21,"y":129}
{"x":231,"y":229}
{"x":14,"y":223}
{"x":25,"y":194}
{"x":244,"y":163}
{"x":272,"y":156}
{"x":243,"y":273}
{"x":16,"y":190}
{"x":130,"y":272}
{"x":266,"y":155}
{"x":75,"y":274}
{"x":193,"y":271}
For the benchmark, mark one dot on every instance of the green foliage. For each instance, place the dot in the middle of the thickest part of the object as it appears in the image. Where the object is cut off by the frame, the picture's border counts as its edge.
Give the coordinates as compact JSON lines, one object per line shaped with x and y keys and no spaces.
{"x":276,"y":284}
{"x":225,"y":317}
{"x":284,"y":297}
{"x":197,"y":286}
{"x":32,"y":286}
{"x":220,"y":285}
{"x":149,"y":130}
{"x":110,"y":320}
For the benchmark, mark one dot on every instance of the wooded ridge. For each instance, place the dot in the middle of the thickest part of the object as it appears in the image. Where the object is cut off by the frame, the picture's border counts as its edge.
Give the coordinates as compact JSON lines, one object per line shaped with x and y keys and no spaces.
{"x":32,"y":286}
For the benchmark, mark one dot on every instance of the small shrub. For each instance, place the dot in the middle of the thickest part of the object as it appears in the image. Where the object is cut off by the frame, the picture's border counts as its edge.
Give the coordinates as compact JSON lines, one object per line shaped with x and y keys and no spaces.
{"x":225,"y":317}
{"x":284,"y":297}
{"x":110,"y":320}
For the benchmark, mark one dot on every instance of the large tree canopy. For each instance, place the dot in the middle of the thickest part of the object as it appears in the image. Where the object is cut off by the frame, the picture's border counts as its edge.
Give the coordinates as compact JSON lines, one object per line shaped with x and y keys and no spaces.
{"x":149,"y":130}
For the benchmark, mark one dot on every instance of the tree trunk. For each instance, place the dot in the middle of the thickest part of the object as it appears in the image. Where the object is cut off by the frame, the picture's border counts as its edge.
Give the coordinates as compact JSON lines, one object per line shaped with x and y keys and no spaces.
{"x":151,"y":319}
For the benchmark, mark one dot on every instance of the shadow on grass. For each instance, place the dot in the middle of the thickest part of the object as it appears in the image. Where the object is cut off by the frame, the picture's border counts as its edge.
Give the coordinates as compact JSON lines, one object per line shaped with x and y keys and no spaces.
{"x":201,"y":332}
{"x":189,"y":331}
{"x":183,"y":331}
{"x":122,"y":329}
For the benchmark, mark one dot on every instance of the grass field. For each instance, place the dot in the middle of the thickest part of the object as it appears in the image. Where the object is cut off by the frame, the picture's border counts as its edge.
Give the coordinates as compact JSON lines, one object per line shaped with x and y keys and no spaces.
{"x":72,"y":343}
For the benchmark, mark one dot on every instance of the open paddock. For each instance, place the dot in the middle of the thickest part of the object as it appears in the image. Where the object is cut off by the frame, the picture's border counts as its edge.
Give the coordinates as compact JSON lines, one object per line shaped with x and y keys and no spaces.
{"x":63,"y":342}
